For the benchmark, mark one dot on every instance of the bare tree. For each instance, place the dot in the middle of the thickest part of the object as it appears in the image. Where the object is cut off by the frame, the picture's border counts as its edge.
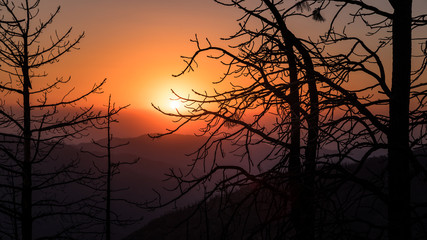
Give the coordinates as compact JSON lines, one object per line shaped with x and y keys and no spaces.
{"x":271,"y":56}
{"x":405,"y":87}
{"x":35,"y":122}
{"x":108,"y":171}
{"x":282,"y":77}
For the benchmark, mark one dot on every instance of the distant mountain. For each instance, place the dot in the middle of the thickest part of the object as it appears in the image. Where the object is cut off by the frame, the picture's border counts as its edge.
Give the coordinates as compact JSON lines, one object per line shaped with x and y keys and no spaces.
{"x":349,"y":211}
{"x":156,"y":156}
{"x":213,"y":220}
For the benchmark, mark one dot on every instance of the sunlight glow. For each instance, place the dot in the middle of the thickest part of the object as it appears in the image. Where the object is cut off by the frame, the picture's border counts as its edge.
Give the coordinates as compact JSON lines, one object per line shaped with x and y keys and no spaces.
{"x":174,"y":104}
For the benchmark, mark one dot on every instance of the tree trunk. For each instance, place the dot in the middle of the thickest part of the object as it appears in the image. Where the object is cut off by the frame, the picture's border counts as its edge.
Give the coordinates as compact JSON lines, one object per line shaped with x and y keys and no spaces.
{"x":302,"y":188}
{"x":398,"y":137}
{"x":26,"y":201}
{"x":294,"y":167}
{"x":310,"y":157}
{"x":109,"y":175}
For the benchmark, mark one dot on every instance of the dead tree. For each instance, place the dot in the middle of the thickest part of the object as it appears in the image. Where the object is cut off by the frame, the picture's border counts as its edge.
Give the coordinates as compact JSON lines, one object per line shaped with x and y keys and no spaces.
{"x":266,"y":58}
{"x":108,"y":170}
{"x":406,"y":86}
{"x":271,"y":56}
{"x":35,"y":123}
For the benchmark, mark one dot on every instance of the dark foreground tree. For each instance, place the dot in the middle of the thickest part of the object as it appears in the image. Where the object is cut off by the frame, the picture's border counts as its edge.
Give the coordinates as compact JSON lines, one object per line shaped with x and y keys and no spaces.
{"x":290,"y":94}
{"x":108,"y":170}
{"x":277,"y":104}
{"x":35,"y":120}
{"x":405,"y":95}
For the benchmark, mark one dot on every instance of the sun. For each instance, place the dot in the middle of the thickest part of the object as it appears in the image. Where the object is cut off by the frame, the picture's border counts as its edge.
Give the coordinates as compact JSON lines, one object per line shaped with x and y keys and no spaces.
{"x":174,"y":104}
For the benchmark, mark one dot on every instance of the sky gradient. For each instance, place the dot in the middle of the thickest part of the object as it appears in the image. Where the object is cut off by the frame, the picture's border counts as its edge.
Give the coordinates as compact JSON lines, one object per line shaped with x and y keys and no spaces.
{"x":137,"y":46}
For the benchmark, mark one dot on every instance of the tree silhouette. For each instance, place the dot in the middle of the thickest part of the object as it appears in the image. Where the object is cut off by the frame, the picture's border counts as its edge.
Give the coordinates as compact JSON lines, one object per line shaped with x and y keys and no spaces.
{"x":404,"y":88}
{"x":270,"y":57}
{"x":316,"y":102}
{"x":108,"y":171}
{"x":35,"y":123}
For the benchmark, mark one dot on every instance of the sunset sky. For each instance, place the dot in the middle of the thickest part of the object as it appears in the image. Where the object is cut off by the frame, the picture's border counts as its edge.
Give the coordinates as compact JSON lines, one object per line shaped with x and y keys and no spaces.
{"x":137,"y":46}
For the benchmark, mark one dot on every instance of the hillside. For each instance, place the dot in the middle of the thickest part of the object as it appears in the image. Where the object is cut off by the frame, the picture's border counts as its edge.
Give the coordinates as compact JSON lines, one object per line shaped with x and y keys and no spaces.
{"x":348,"y":210}
{"x":137,"y":181}
{"x":157,"y":156}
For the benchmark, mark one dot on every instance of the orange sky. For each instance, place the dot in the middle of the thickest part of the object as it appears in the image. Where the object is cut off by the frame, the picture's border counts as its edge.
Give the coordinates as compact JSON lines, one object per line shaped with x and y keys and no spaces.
{"x":137,"y":46}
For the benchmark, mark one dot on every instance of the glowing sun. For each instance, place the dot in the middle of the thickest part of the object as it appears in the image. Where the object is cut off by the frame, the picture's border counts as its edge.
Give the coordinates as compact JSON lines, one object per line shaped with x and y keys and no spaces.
{"x":174,"y":104}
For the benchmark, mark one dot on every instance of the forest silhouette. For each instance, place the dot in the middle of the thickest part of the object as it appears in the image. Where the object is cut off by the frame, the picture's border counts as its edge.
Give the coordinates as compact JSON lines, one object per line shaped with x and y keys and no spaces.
{"x":312,"y":138}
